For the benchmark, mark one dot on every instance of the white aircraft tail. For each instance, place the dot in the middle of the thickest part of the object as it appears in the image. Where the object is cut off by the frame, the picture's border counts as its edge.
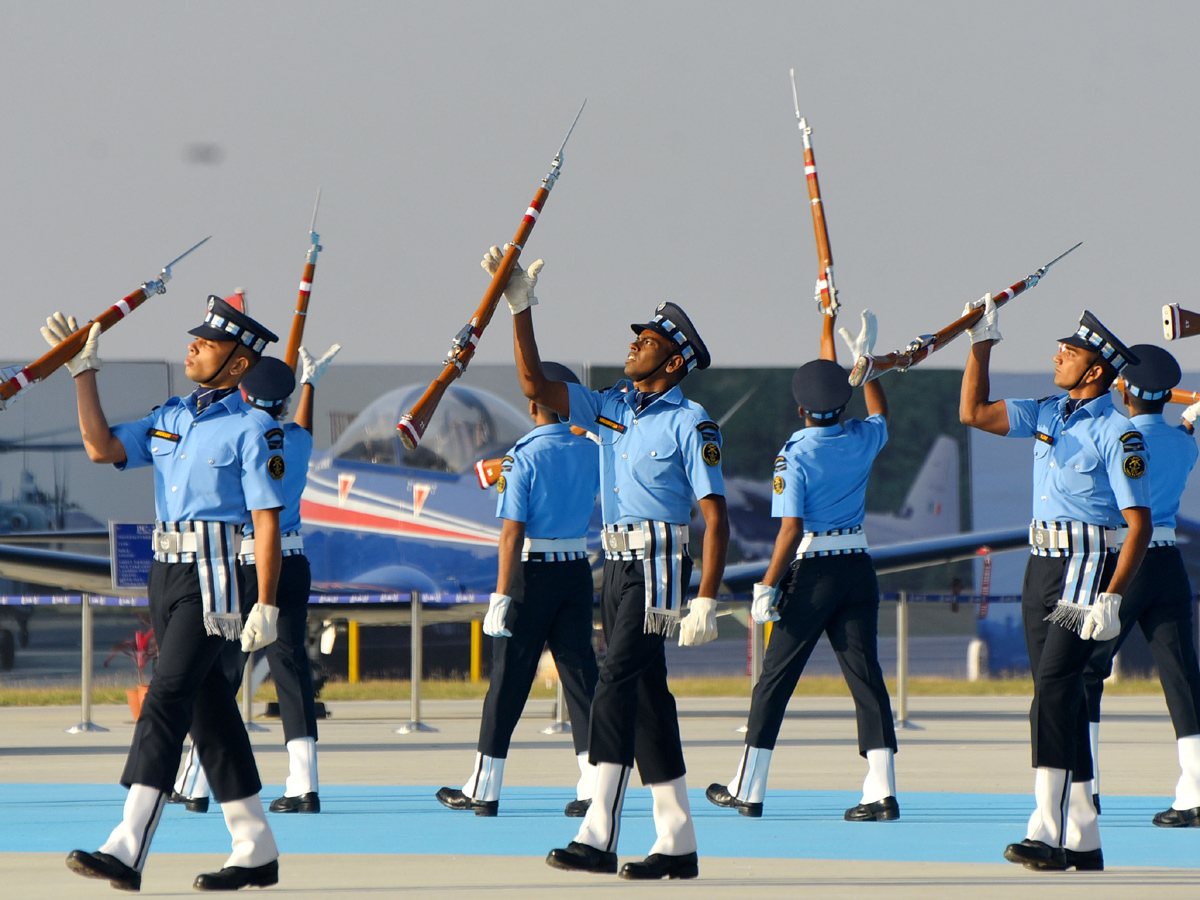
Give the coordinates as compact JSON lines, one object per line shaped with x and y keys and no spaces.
{"x":931,"y":507}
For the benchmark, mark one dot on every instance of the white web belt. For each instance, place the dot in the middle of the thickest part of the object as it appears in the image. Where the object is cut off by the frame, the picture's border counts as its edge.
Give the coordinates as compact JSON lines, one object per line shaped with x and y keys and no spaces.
{"x":553,"y":549}
{"x":290,"y":544}
{"x":1059,"y":538}
{"x":832,"y":543}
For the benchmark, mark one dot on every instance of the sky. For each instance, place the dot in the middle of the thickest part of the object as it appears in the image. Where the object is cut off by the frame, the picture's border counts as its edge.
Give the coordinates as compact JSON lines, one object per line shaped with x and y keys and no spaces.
{"x":959,"y":147}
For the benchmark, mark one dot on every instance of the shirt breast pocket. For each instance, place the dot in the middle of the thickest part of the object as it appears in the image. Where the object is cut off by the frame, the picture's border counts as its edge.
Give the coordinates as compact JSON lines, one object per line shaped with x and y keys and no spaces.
{"x":211,"y":471}
{"x":1078,"y":474}
{"x":657,"y":461}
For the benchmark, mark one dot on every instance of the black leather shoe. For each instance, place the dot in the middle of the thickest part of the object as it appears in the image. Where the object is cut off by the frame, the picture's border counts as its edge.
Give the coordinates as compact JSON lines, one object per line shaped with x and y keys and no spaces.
{"x":102,"y":865}
{"x":577,"y":809}
{"x":1085,"y":860}
{"x":452,"y":798}
{"x":719,"y":794}
{"x":233,"y":877}
{"x":1096,"y":802}
{"x":305,"y":803}
{"x":885,"y":810}
{"x":659,"y":865}
{"x":576,"y":857}
{"x":1178,"y":818}
{"x":1036,"y":855}
{"x":192,"y":804}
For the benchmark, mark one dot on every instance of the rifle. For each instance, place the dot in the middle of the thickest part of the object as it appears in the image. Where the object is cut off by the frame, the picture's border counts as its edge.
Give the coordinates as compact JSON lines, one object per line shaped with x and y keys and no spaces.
{"x":488,"y":470}
{"x":310,"y":268}
{"x":1179,"y":323}
{"x":59,"y":354}
{"x":868,"y":368}
{"x":1178,"y":395}
{"x":412,"y":424}
{"x":825,"y":293}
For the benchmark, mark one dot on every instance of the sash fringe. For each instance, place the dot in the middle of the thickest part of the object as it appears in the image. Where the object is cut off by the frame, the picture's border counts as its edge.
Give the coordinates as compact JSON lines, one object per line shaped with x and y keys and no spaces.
{"x":1069,"y":615}
{"x":226,"y":625}
{"x":661,"y":621}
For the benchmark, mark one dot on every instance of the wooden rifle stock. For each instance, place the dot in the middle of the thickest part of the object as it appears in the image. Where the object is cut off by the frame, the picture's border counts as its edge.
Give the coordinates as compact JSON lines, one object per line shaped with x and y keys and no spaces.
{"x":58,"y":355}
{"x":868,"y":368}
{"x":488,"y":471}
{"x":296,"y":336}
{"x":412,"y":424}
{"x":1179,"y":323}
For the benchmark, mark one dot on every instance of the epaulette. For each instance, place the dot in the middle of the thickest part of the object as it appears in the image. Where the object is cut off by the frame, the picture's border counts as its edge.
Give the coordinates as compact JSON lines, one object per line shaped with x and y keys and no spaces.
{"x":708,"y":430}
{"x":274,"y":439}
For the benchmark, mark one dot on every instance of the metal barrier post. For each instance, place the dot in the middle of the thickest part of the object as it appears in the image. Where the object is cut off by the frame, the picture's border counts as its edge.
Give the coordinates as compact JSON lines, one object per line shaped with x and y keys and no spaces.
{"x":902,"y":660}
{"x":248,"y":696}
{"x":560,"y":725}
{"x":414,"y":723}
{"x":85,"y":678}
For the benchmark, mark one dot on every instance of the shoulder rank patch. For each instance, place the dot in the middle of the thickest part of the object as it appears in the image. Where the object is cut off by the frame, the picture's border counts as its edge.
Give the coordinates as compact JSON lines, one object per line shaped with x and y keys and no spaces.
{"x":1043,"y":437}
{"x":274,"y":439}
{"x":778,"y":484}
{"x":1133,"y":442}
{"x":609,"y":423}
{"x":709,"y":430}
{"x":1134,"y":466}
{"x":781,"y":464}
{"x":165,"y":435}
{"x":506,"y":464}
{"x":275,"y":467}
{"x":711,"y":454}
{"x":500,"y":484}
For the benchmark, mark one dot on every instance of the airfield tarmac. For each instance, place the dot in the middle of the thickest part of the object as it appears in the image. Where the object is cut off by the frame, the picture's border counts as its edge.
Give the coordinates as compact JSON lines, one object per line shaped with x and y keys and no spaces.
{"x":962,"y":771}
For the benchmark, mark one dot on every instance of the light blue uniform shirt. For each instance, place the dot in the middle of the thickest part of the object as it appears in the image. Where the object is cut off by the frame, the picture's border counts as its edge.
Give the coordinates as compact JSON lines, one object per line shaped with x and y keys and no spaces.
{"x":652,"y":463}
{"x":821,"y":473}
{"x":297,"y":451}
{"x":1086,"y":469}
{"x":549,"y":481}
{"x":1174,"y":452}
{"x":209,"y":467}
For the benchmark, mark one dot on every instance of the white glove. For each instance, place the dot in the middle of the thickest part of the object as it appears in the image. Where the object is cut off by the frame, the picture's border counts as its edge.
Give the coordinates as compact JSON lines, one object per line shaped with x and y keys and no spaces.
{"x":260,"y":628}
{"x":58,"y":328}
{"x":311,"y":369}
{"x":493,"y":622}
{"x":1103,"y":622}
{"x":699,"y":626}
{"x":766,"y":598}
{"x":1189,"y":415}
{"x":519,"y":290}
{"x":986,"y":328}
{"x":865,"y":342}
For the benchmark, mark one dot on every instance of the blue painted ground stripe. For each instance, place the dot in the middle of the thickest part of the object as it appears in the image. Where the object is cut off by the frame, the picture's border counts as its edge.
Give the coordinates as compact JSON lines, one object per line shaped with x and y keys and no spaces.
{"x":934,"y":827}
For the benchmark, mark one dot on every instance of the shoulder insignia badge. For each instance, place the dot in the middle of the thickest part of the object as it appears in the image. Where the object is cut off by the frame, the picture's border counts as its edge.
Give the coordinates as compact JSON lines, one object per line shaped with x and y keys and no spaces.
{"x":274,"y":439}
{"x":1133,"y":442}
{"x":275,"y":467}
{"x":709,"y":430}
{"x":506,"y":464}
{"x":1135,"y":466}
{"x":781,"y":464}
{"x":165,"y":435}
{"x":1043,"y":437}
{"x":609,"y":423}
{"x":500,"y":484}
{"x":711,"y":454}
{"x":778,"y":484}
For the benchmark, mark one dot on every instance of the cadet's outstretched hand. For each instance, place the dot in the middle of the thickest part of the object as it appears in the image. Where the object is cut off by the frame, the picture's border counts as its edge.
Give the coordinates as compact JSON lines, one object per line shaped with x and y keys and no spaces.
{"x":261,"y":628}
{"x":493,"y":622}
{"x":58,"y":328}
{"x":986,"y":329}
{"x":519,"y":290}
{"x":699,"y":626}
{"x":311,"y":369}
{"x":865,"y":342}
{"x":1104,"y":619}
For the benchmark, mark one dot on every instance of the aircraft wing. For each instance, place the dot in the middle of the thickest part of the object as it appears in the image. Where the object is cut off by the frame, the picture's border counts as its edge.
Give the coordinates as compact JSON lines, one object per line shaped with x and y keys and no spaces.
{"x":55,"y":537}
{"x":897,"y":557}
{"x":62,"y":570}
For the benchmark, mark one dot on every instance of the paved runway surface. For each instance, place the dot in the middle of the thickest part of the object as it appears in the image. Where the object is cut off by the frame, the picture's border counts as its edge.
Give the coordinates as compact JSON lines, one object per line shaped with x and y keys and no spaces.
{"x":962,"y":771}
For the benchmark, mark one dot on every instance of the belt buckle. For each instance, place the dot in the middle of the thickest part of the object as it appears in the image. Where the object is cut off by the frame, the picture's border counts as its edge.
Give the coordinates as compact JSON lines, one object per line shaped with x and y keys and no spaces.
{"x":1039,"y":537}
{"x":164,"y":543}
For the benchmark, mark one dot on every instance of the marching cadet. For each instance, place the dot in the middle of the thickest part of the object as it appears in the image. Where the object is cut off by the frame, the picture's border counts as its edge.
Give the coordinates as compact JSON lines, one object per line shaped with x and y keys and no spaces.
{"x":212,"y":463}
{"x":657,"y":451}
{"x":1159,"y":598}
{"x":828,"y":583}
{"x":546,"y":494}
{"x":1089,"y":467}
{"x":267,"y":388}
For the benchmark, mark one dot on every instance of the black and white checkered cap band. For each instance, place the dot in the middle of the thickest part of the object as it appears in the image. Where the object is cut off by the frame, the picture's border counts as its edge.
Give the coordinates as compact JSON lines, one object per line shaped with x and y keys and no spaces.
{"x":824,"y":416}
{"x":1107,"y":351}
{"x":676,"y":334}
{"x":265,"y":404}
{"x":1143,"y":394}
{"x":237,"y":332}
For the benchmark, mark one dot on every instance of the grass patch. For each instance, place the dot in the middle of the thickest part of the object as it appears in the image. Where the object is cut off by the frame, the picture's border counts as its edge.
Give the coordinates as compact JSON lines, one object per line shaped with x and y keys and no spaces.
{"x":449,"y":689}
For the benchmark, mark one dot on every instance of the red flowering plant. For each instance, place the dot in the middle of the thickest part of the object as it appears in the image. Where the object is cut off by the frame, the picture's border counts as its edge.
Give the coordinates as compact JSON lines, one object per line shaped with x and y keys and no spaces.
{"x":142,"y":648}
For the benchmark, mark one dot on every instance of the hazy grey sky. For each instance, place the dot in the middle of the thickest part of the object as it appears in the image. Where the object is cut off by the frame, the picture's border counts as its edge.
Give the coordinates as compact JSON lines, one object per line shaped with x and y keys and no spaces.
{"x":959,"y":147}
